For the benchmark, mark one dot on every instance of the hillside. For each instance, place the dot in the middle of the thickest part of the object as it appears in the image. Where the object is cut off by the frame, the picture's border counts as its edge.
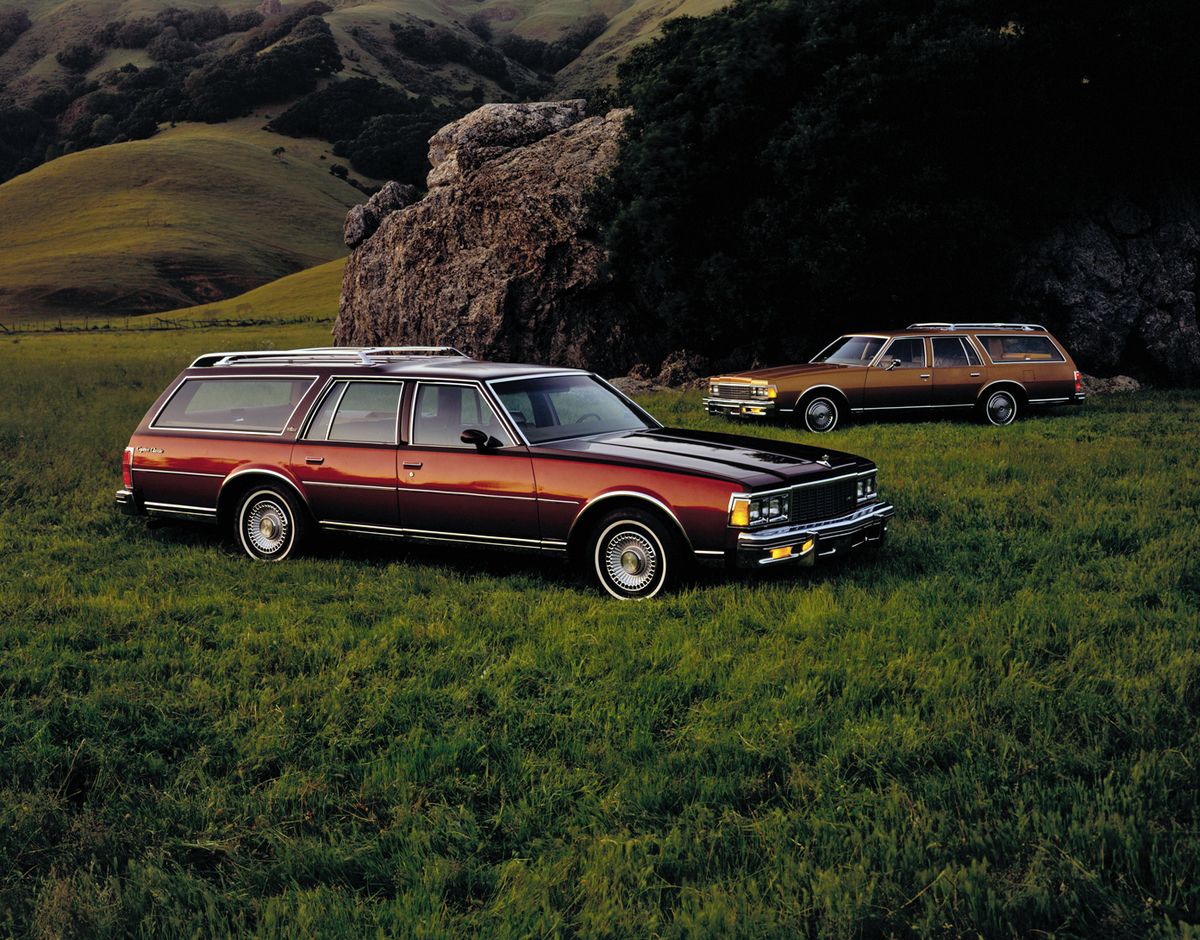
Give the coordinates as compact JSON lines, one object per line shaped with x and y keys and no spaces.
{"x":313,"y":292}
{"x":197,"y":213}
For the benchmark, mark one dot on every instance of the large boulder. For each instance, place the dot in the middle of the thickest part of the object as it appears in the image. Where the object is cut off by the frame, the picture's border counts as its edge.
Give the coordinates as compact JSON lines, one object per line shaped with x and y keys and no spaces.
{"x":498,"y":258}
{"x":1117,"y":283}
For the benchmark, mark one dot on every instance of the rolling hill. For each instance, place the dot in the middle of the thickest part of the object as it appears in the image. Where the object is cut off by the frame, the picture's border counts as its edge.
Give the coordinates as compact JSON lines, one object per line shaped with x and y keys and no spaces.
{"x":195,"y":214}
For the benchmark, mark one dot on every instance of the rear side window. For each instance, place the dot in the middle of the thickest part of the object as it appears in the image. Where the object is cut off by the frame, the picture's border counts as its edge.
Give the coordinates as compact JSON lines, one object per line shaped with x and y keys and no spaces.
{"x":260,"y":406}
{"x":1021,"y":349}
{"x":953,"y":351}
{"x":357,"y":413}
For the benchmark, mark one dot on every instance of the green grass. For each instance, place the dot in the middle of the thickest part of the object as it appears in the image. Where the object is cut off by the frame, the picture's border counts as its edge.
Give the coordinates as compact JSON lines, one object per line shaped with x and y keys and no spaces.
{"x":196,"y":213}
{"x":991,"y":728}
{"x":314,"y":292}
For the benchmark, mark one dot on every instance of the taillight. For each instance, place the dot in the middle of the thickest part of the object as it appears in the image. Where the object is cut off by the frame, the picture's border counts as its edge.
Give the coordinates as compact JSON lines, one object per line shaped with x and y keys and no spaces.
{"x":1078,"y":382}
{"x":127,"y":467}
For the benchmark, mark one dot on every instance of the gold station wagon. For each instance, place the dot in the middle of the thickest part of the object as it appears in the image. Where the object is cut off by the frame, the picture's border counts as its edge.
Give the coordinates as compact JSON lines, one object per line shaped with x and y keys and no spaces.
{"x":996,"y":369}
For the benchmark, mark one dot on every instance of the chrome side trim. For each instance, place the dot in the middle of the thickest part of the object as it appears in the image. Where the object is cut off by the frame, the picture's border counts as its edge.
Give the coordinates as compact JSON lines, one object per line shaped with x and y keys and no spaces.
{"x":1045,"y":401}
{"x":709,"y":552}
{"x":183,"y":473}
{"x":177,"y":507}
{"x":405,"y":489}
{"x":351,"y":486}
{"x":273,"y":473}
{"x":908,"y":407}
{"x":503,"y":541}
{"x":979,"y":394}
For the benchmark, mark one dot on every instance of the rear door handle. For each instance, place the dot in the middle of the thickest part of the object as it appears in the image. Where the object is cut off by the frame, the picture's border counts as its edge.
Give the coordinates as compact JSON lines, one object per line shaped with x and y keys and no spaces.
{"x":924,"y":375}
{"x":413,"y":465}
{"x":975,"y":375}
{"x":314,"y":459}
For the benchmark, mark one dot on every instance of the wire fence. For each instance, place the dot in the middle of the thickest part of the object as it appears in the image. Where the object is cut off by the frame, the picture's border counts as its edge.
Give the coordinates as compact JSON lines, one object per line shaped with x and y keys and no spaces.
{"x":149,"y":322}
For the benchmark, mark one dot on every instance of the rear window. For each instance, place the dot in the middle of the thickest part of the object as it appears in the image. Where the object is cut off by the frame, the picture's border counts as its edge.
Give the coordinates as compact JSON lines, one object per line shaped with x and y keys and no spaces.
{"x":260,"y":406}
{"x":1020,"y":349}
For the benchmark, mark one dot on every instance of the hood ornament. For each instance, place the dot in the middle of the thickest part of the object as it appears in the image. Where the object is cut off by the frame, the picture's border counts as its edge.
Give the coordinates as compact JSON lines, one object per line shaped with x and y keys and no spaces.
{"x":824,"y":461}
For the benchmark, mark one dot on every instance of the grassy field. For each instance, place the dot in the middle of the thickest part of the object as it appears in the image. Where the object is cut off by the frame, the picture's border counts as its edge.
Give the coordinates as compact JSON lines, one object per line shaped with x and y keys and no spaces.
{"x":195,"y":213}
{"x":992,"y":728}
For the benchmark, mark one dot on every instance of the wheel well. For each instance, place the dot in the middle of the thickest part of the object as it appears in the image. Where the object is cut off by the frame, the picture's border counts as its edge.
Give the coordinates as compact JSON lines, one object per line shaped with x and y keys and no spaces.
{"x":237,"y":487}
{"x":1003,"y":385}
{"x":825,"y":391}
{"x":597,"y":509}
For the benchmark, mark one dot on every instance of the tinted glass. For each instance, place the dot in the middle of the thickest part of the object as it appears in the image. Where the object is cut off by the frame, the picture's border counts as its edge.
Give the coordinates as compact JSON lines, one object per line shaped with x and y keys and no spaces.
{"x":909,"y":350}
{"x":565,"y":406}
{"x":949,"y":353}
{"x":1021,"y":349}
{"x":367,"y":413}
{"x":318,"y":428}
{"x":851,"y":350}
{"x":232,"y":404}
{"x":443,"y":412}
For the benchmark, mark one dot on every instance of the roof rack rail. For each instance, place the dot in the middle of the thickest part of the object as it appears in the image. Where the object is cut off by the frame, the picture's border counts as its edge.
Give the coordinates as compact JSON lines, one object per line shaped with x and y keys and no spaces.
{"x":357,"y":355}
{"x":1027,"y":327}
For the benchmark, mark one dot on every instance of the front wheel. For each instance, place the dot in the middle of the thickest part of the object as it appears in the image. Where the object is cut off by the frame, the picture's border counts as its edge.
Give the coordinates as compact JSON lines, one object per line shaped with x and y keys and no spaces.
{"x":633,"y":554}
{"x":269,"y":524}
{"x":1000,"y":408}
{"x":820,"y":414}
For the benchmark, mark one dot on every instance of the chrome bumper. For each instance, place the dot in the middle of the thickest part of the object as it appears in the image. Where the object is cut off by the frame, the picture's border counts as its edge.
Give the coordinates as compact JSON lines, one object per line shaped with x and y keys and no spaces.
{"x":129,"y":503}
{"x":737,"y":407}
{"x":811,"y":540}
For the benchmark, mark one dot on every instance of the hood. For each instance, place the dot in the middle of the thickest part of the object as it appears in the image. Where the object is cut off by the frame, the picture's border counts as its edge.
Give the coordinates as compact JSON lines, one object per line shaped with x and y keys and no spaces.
{"x":785,"y":372}
{"x":752,"y":462}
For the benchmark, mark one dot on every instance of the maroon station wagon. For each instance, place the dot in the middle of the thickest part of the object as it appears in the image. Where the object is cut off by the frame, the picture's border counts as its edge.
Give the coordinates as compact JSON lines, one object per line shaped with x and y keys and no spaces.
{"x":424,"y":443}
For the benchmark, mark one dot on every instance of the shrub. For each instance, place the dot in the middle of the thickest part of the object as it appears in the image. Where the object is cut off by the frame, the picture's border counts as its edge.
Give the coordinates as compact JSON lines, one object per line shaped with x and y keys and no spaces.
{"x":78,"y":58}
{"x":12,"y":24}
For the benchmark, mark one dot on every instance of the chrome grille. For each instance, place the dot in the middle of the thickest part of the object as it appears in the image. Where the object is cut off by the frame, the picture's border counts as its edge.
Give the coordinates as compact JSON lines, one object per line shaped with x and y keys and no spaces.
{"x":741,"y":392}
{"x":824,"y":500}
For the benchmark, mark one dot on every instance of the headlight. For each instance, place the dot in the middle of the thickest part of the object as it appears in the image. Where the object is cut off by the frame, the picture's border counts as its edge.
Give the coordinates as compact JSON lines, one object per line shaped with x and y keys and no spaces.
{"x":760,"y":510}
{"x":866,"y":488}
{"x":763,"y":391}
{"x":714,"y":390}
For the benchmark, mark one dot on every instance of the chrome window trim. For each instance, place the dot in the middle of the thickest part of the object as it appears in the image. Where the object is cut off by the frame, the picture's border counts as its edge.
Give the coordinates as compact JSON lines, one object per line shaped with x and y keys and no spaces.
{"x":1024,"y":362}
{"x":155,"y":426}
{"x":515,"y":438}
{"x":325,"y":391}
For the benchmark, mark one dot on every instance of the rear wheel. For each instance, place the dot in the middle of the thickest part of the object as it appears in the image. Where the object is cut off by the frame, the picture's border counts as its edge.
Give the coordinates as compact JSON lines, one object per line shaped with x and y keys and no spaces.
{"x":1000,"y":407}
{"x":820,"y":414}
{"x":269,"y":524}
{"x":634,"y":554}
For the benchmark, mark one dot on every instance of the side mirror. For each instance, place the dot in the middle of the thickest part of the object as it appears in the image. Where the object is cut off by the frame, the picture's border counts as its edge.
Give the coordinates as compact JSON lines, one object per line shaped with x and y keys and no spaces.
{"x":892,"y":363}
{"x":477,"y":438}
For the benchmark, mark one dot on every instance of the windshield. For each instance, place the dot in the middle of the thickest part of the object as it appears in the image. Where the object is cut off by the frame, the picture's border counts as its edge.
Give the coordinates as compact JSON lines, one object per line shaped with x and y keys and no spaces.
{"x":563,"y":406}
{"x":851,"y":350}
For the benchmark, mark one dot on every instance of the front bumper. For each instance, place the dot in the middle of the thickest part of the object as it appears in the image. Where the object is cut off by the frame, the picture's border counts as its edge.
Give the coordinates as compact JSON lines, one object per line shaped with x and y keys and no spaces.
{"x":811,"y":540}
{"x":737,"y":408}
{"x":129,"y":502}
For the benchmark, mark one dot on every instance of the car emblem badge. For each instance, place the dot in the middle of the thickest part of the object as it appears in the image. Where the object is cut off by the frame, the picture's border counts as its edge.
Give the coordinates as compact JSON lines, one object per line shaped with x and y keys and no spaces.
{"x":824,"y":460}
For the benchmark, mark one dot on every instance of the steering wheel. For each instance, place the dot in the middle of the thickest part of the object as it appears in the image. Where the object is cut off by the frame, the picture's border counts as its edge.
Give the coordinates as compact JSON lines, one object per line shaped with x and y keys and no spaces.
{"x":590,"y":416}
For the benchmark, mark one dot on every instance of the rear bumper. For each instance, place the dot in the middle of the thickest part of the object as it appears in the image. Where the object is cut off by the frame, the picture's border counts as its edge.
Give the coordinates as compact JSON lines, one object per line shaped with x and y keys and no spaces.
{"x":812,"y":540}
{"x":129,"y":502}
{"x":737,"y":408}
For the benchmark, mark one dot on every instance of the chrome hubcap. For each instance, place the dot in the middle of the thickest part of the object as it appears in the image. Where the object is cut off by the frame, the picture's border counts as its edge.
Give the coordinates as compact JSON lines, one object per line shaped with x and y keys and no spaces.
{"x":631,"y":561}
{"x":267,"y":526}
{"x":821,"y":415}
{"x":1000,"y":408}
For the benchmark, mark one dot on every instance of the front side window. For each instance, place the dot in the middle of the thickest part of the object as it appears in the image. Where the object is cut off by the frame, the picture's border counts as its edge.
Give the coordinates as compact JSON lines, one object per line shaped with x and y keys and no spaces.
{"x":851,"y":350}
{"x":556,"y":407}
{"x":250,"y":405}
{"x":443,"y":412}
{"x":909,"y":350}
{"x":1021,"y":349}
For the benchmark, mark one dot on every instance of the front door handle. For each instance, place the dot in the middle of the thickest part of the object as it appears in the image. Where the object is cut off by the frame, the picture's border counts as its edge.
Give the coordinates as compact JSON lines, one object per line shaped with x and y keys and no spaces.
{"x":413,"y":465}
{"x":314,"y":459}
{"x":924,"y":375}
{"x":975,"y":375}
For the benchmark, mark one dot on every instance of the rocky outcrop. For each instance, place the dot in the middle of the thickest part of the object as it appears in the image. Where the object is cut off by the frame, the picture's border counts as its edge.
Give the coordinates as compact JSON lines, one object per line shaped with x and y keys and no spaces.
{"x":1118,"y":285}
{"x":1093,"y":385}
{"x":363,"y":221}
{"x":498,"y":258}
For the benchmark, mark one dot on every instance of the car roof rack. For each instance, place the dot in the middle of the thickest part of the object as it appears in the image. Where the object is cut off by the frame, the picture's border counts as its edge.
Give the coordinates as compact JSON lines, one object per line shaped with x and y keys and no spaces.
{"x":315,"y":355}
{"x":1027,"y":327}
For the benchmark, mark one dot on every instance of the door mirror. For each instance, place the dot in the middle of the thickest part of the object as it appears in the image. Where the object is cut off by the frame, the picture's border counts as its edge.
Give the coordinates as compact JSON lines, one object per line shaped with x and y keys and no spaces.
{"x":890,"y":364}
{"x":477,"y":438}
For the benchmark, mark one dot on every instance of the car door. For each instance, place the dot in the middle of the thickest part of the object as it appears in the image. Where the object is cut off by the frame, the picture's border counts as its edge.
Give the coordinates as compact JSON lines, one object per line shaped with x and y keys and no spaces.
{"x":900,"y":377}
{"x":456,"y":491}
{"x":346,"y":454}
{"x":958,"y":372}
